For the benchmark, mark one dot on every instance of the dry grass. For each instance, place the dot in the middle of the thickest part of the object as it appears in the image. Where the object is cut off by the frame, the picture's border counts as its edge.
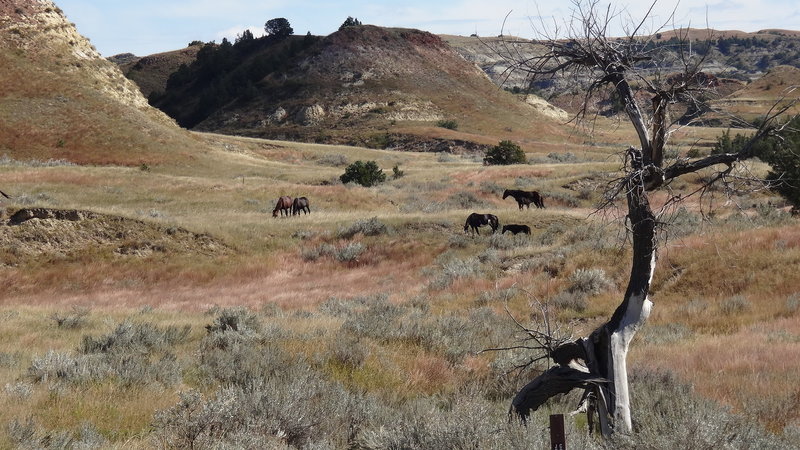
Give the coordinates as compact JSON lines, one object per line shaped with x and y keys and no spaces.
{"x":230,"y":191}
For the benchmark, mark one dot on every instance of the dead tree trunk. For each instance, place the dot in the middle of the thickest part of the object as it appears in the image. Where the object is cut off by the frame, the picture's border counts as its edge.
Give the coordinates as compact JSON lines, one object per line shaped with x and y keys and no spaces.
{"x":600,"y":366}
{"x":611,"y":341}
{"x":598,"y":363}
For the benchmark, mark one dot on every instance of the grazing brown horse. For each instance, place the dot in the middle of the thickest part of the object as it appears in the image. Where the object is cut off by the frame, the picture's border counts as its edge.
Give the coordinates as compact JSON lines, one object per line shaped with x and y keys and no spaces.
{"x":514,"y":228}
{"x":525,"y":198}
{"x":476,"y":220}
{"x":300,"y":204}
{"x":284,"y":206}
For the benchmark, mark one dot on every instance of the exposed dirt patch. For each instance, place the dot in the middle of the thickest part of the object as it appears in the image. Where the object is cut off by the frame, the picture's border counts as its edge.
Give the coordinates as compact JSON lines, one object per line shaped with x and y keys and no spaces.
{"x":35,"y":234}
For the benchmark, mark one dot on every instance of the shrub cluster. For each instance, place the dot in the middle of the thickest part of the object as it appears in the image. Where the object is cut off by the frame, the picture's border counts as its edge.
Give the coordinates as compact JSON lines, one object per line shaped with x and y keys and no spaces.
{"x":367,"y":227}
{"x":133,"y":354}
{"x":364,"y":173}
{"x":504,"y":153}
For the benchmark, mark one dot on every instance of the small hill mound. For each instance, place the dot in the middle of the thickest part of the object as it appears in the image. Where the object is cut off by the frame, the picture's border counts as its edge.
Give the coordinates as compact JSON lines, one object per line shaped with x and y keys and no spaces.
{"x":151,"y":73}
{"x":42,"y":233}
{"x":363,"y":85}
{"x":62,"y":100}
{"x":772,"y":85}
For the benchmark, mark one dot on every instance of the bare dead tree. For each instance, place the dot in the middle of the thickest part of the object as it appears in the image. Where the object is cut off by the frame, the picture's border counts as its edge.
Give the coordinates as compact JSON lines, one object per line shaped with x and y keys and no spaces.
{"x":629,"y":66}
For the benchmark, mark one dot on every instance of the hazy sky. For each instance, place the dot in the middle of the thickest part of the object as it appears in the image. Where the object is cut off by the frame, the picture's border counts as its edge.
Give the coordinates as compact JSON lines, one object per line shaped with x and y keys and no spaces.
{"x":144,"y":27}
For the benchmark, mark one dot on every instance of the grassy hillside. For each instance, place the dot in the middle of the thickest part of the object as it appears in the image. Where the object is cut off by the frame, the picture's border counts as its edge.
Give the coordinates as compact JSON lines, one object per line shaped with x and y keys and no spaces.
{"x":364,"y":85}
{"x":62,"y":101}
{"x":376,"y":294}
{"x":151,"y":72}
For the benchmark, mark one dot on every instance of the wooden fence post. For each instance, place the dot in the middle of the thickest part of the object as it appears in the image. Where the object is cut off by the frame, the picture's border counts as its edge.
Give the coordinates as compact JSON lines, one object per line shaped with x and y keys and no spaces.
{"x":558,"y":439}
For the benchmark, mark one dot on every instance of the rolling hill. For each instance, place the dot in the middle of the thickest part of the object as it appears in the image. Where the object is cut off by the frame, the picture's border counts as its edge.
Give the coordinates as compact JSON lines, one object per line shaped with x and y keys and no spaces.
{"x":363,"y":85}
{"x":61,"y":100}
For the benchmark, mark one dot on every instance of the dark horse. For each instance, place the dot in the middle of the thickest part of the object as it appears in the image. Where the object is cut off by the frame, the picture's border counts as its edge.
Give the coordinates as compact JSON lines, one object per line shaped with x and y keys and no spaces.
{"x":283,"y":206}
{"x":300,"y":204}
{"x":476,"y":220}
{"x":513,"y":228}
{"x":525,"y":198}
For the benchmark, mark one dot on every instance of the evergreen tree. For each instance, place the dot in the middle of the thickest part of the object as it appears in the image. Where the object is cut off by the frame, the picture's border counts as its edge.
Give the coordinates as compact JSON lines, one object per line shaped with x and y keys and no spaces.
{"x":350,"y":22}
{"x":504,"y":153}
{"x":279,"y":28}
{"x":366,"y":174}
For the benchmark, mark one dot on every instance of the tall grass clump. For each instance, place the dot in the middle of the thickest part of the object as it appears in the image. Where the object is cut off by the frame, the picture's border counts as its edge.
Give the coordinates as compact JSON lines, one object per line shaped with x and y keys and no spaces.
{"x":451,"y":269}
{"x":316,"y":252}
{"x":76,"y":318}
{"x":465,"y":200}
{"x":295,"y":409}
{"x":793,"y":303}
{"x":451,"y":336}
{"x":509,"y":241}
{"x":589,"y":281}
{"x":575,"y":301}
{"x":29,"y":434}
{"x":367,"y":227}
{"x":334,"y":160}
{"x":670,"y":415}
{"x":734,"y":305}
{"x":349,"y":252}
{"x":132,"y":354}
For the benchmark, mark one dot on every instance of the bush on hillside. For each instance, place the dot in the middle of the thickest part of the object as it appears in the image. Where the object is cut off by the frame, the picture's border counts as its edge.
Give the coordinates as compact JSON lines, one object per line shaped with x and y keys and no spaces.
{"x":450,"y":124}
{"x":504,"y":153}
{"x":782,"y":154}
{"x":364,"y":173}
{"x":350,"y":22}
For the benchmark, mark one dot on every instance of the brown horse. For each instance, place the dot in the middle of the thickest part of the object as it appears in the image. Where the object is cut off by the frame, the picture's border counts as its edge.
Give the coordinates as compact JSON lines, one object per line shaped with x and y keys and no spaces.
{"x":300,"y":204}
{"x":284,"y":206}
{"x":476,"y":220}
{"x":525,"y":198}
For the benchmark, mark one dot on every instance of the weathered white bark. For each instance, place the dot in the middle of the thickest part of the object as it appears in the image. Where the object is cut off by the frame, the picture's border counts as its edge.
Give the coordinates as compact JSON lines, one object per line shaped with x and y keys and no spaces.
{"x":636,"y":315}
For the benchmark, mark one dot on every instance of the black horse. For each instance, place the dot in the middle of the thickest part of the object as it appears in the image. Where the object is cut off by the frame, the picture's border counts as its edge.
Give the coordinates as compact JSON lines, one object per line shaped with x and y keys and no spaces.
{"x":476,"y":220}
{"x":525,"y":198}
{"x":513,"y":228}
{"x":300,"y":204}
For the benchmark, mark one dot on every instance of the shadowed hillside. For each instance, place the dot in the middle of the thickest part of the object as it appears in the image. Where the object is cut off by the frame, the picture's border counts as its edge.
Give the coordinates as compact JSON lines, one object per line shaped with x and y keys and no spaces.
{"x":61,"y":100}
{"x":151,"y":73}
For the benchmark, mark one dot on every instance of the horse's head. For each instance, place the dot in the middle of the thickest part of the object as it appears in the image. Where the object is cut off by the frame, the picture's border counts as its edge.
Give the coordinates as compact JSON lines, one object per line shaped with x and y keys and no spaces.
{"x":275,"y":212}
{"x":506,"y":194}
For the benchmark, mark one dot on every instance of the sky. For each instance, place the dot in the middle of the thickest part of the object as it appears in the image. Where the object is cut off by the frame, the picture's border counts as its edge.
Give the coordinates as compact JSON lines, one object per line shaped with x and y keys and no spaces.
{"x":144,"y":27}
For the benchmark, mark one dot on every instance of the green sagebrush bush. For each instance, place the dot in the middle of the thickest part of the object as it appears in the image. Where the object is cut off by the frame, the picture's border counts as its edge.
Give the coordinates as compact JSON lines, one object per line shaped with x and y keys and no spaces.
{"x":364,"y":173}
{"x":504,"y":153}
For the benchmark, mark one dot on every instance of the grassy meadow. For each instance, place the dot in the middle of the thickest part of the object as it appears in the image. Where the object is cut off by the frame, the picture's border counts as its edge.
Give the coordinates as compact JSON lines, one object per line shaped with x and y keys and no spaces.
{"x":361,"y":325}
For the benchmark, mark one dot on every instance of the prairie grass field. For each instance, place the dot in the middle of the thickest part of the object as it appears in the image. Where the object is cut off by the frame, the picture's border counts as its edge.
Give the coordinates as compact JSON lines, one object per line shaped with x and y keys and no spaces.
{"x":198,"y":320}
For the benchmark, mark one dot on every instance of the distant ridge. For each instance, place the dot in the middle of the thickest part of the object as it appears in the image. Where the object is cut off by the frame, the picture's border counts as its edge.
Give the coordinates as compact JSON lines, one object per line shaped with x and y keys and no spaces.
{"x":363,"y":85}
